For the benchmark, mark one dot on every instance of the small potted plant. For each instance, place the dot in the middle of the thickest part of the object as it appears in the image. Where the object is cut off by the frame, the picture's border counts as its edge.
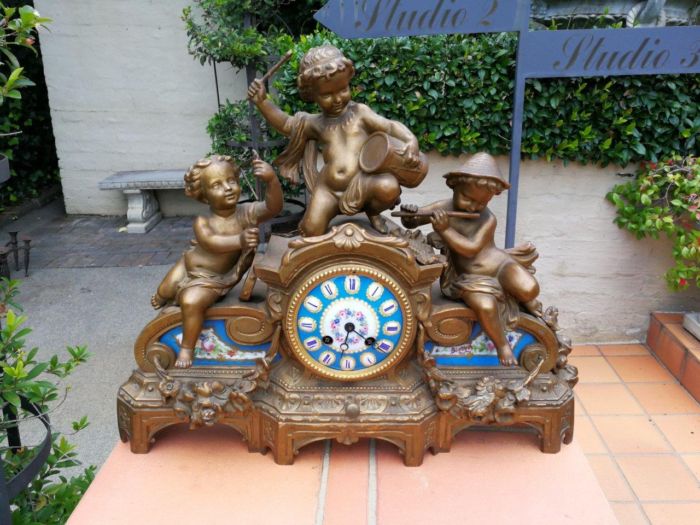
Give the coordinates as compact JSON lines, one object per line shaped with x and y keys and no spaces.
{"x":664,"y":197}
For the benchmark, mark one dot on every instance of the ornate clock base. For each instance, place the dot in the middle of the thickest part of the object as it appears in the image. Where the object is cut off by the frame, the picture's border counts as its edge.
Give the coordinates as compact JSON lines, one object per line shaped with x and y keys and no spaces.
{"x":296,"y":409}
{"x":148,"y":403}
{"x":544,"y":403}
{"x":412,"y":439}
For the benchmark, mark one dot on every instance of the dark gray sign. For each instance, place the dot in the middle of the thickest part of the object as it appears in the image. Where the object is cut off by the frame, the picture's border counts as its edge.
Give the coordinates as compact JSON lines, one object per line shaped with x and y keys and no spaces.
{"x":604,"y":52}
{"x":379,"y":18}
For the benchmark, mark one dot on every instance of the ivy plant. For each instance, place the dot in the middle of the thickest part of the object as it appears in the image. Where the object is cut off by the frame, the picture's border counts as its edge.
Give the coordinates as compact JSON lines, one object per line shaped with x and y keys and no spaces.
{"x":664,"y":198}
{"x":52,"y":495}
{"x":244,"y":33}
{"x":230,"y":124}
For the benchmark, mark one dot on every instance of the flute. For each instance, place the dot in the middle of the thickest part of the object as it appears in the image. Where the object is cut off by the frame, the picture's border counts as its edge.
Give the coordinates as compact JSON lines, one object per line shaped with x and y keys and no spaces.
{"x":457,"y":214}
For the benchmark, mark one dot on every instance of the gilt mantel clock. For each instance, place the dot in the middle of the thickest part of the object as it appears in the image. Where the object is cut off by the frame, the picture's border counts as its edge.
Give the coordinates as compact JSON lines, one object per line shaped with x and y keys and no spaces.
{"x":347,"y":336}
{"x":356,"y":327}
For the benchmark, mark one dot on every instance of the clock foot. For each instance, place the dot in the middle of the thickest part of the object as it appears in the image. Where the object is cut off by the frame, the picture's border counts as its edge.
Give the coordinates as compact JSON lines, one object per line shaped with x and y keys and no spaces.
{"x":413,"y":455}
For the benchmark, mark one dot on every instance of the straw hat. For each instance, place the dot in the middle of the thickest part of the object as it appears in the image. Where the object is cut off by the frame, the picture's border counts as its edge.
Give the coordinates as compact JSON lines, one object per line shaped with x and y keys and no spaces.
{"x":480,"y":165}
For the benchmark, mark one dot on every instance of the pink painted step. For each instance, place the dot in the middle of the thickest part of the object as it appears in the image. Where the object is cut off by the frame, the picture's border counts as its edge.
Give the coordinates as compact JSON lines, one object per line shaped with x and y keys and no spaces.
{"x":203,"y":477}
{"x":499,"y":478}
{"x":209,"y":477}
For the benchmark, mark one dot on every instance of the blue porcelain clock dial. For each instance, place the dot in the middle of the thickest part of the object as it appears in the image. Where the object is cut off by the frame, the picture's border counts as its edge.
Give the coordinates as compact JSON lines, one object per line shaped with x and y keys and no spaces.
{"x":350,"y":323}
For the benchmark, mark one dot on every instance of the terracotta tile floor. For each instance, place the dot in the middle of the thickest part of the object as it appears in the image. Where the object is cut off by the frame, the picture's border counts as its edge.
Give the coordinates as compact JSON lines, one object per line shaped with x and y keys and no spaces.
{"x":636,"y":428}
{"x":640,"y":431}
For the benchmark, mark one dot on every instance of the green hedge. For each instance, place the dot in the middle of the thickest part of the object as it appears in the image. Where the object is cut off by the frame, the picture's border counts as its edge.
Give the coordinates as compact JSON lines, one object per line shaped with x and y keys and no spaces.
{"x":455,"y":93}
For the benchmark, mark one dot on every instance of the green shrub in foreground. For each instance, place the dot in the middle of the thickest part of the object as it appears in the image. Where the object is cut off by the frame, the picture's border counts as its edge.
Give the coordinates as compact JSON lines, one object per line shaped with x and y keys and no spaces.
{"x":52,"y":494}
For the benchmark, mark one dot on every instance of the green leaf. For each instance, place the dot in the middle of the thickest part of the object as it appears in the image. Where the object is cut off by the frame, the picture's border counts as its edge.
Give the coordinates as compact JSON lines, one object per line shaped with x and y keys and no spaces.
{"x":38,"y":369}
{"x":639,"y":148}
{"x":12,"y":398}
{"x":14,"y":63}
{"x":81,"y":424}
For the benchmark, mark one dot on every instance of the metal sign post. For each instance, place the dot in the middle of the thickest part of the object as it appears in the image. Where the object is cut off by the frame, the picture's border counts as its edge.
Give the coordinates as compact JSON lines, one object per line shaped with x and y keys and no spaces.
{"x":541,"y":54}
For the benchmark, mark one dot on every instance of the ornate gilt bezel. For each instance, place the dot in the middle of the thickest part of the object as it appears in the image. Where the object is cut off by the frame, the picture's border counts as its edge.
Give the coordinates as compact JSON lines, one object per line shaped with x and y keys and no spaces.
{"x":305,"y":358}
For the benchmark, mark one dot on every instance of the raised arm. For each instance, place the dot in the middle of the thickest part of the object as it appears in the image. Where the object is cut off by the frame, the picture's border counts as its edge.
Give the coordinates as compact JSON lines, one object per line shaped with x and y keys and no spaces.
{"x":460,"y":244}
{"x":274,"y":115}
{"x":274,"y":198}
{"x":217,"y":243}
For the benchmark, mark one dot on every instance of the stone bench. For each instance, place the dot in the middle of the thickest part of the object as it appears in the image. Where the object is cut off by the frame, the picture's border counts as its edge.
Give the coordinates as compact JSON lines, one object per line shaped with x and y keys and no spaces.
{"x":143,"y":212}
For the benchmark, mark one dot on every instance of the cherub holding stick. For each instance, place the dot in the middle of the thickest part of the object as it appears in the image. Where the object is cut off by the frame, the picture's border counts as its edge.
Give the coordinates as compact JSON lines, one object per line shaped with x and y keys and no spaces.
{"x":341,"y":129}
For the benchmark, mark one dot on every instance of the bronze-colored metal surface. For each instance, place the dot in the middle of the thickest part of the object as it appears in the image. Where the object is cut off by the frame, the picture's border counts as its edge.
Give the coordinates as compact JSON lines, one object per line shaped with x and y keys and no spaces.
{"x":224,"y":244}
{"x":282,"y":61}
{"x":357,"y":328}
{"x":342,"y":130}
{"x":286,"y":401}
{"x":383,"y":153}
{"x":484,"y":167}
{"x":460,"y":214}
{"x":496,"y":284}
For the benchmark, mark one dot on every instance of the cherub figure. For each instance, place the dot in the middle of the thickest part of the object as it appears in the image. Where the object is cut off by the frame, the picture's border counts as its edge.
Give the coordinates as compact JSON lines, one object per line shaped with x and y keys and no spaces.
{"x":223,"y":247}
{"x":341,"y":129}
{"x":491,"y":281}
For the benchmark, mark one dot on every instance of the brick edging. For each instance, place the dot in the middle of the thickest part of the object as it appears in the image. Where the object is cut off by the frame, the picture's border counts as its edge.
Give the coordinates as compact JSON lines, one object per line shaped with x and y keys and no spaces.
{"x":676,"y":348}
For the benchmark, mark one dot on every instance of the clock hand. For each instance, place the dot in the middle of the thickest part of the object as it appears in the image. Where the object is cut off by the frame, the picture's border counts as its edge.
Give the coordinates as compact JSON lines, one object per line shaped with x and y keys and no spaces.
{"x":369,"y":341}
{"x":344,"y":345}
{"x":349,"y":328}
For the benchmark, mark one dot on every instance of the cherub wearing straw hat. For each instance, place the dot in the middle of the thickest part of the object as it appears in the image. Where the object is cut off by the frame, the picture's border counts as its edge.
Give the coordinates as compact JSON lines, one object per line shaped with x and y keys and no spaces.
{"x":491,"y":281}
{"x":341,"y":129}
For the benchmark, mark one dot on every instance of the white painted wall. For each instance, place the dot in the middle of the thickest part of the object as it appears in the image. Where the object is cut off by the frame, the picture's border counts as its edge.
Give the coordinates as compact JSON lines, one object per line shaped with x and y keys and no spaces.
{"x":125,"y":95}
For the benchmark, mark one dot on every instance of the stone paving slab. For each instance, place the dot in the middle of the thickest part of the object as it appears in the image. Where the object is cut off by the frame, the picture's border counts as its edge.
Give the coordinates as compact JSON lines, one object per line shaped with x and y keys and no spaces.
{"x":103,"y":309}
{"x":78,"y":241}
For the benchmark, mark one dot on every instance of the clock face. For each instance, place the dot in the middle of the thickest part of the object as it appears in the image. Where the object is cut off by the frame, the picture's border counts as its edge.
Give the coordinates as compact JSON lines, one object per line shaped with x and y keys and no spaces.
{"x":349,"y":323}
